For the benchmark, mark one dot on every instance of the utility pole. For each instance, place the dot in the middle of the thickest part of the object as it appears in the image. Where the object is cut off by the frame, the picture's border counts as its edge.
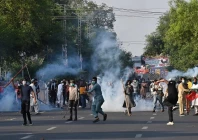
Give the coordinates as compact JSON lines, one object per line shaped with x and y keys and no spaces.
{"x":80,"y":38}
{"x":88,"y":29}
{"x":64,"y":46}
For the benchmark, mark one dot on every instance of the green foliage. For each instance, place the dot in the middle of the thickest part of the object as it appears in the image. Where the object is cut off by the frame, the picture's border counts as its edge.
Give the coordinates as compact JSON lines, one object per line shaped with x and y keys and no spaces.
{"x":178,"y":31}
{"x":154,"y":45}
{"x":35,"y":27}
{"x":25,"y":26}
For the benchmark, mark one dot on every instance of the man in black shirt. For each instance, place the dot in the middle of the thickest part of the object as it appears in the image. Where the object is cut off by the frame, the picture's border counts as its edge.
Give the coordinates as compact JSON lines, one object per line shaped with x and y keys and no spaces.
{"x":26,"y":90}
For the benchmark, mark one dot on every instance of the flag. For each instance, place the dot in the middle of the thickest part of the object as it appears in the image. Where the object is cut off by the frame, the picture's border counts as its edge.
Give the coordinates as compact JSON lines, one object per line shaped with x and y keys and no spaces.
{"x":1,"y":90}
{"x":192,"y":96}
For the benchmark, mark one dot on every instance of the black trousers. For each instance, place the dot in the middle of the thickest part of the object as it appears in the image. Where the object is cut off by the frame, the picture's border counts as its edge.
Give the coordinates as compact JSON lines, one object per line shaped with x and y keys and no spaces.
{"x":25,"y":107}
{"x":64,"y":98}
{"x":170,"y":113}
{"x":73,"y":104}
{"x":53,"y":97}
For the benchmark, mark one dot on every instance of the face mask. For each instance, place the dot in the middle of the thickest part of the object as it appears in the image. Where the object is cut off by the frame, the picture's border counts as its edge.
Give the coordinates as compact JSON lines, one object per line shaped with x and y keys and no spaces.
{"x":72,"y":84}
{"x":93,"y":82}
{"x":183,"y":81}
{"x":24,"y":82}
{"x":134,"y":81}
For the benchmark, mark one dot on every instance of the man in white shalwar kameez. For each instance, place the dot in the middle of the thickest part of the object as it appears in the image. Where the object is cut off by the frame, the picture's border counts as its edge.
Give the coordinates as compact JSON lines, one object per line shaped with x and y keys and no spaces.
{"x":60,"y":95}
{"x":32,"y":104}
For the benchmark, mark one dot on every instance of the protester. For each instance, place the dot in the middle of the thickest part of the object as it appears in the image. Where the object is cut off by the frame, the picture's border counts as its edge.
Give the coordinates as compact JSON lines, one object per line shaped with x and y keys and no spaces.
{"x":171,"y":98}
{"x":73,"y":100}
{"x":129,"y":99}
{"x":182,"y":90}
{"x":26,"y":91}
{"x":33,"y":105}
{"x":157,"y":91}
{"x":98,"y":100}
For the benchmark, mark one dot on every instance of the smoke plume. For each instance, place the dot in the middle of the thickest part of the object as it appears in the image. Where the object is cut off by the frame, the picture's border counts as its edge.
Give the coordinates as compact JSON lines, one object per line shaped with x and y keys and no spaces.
{"x":107,"y":54}
{"x":189,"y":73}
{"x":59,"y":68}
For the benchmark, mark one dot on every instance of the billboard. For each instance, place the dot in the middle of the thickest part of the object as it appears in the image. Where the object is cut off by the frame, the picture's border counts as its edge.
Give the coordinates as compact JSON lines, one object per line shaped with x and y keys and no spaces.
{"x":157,"y":61}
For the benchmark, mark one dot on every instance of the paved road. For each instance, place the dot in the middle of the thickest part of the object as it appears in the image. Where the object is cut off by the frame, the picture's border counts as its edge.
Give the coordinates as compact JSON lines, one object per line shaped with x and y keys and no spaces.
{"x":141,"y":125}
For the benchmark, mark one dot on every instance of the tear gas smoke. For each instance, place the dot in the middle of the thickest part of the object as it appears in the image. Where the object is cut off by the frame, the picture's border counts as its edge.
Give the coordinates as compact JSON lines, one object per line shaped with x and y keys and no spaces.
{"x":7,"y":99}
{"x":107,"y":54}
{"x":189,"y":73}
{"x":58,"y":68}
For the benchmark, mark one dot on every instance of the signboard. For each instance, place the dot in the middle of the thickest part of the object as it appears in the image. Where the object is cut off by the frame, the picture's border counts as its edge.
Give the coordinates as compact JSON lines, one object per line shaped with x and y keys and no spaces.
{"x":157,"y":62}
{"x":161,"y":71}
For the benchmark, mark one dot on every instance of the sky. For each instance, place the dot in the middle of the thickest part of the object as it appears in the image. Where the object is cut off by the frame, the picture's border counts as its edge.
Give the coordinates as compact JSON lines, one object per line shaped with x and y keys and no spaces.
{"x":133,"y":26}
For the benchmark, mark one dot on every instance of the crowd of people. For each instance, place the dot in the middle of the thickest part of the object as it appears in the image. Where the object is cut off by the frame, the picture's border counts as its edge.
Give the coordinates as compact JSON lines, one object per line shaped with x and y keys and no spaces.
{"x":70,"y":92}
{"x":76,"y":94}
{"x":171,"y":93}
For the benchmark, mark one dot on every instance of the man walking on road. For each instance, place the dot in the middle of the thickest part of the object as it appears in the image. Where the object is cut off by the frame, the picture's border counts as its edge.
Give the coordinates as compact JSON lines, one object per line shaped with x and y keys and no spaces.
{"x":98,"y":100}
{"x":26,"y":90}
{"x":32,"y":104}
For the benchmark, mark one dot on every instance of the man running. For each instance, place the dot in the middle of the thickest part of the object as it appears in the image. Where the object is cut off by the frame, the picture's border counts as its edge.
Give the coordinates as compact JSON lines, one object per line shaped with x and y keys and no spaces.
{"x":98,"y":100}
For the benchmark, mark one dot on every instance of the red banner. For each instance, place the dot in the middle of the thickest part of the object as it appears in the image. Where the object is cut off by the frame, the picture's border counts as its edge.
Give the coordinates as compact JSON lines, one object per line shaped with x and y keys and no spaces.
{"x":192,"y":96}
{"x":1,"y":89}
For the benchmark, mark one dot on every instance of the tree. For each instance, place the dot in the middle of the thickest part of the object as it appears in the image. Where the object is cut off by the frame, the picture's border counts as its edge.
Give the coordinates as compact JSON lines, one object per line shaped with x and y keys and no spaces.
{"x":154,"y":45}
{"x":181,"y":38}
{"x":26,"y":26}
{"x":156,"y":40}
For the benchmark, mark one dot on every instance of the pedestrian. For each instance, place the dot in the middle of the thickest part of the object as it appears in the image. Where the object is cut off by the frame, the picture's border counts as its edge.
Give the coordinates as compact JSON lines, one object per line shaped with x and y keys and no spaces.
{"x":135,"y":88}
{"x":83,"y":95}
{"x":73,"y":100}
{"x":129,"y":99}
{"x":143,"y":89}
{"x":157,"y":91}
{"x":64,"y":92}
{"x":32,"y":104}
{"x":26,"y":91}
{"x":182,"y":91}
{"x":60,"y":95}
{"x":171,"y":99}
{"x":98,"y":100}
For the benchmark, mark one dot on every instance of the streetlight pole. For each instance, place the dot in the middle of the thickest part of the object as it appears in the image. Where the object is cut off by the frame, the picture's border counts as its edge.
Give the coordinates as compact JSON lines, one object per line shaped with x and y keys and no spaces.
{"x":22,"y":59}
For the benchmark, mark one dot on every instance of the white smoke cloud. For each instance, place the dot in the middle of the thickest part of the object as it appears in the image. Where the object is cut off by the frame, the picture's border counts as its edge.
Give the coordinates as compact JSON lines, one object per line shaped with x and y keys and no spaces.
{"x":7,"y":100}
{"x":56,"y":69}
{"x":189,"y":73}
{"x":107,"y":55}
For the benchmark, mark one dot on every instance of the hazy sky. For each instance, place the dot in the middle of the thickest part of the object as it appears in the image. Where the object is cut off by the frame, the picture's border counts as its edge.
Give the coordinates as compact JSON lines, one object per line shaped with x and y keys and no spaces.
{"x":132,"y":30}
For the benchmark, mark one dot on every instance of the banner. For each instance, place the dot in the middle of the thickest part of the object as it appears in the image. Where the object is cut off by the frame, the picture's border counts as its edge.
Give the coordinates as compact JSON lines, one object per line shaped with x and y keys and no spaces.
{"x":192,"y":96}
{"x":157,"y":61}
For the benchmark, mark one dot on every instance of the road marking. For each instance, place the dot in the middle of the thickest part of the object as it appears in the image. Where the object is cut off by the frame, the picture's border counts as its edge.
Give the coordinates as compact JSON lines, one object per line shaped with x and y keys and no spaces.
{"x":154,"y":114}
{"x":15,"y":134}
{"x":138,"y":135}
{"x":152,"y":118}
{"x":51,"y":128}
{"x":81,"y":118}
{"x":69,"y":122}
{"x":145,"y":127}
{"x":10,"y":119}
{"x":26,"y":137}
{"x":149,"y":122}
{"x":91,"y":114}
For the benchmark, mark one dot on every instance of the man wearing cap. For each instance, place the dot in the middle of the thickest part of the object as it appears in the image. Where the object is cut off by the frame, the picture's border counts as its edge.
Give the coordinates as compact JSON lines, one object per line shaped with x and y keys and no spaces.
{"x":32,"y":104}
{"x":98,"y":100}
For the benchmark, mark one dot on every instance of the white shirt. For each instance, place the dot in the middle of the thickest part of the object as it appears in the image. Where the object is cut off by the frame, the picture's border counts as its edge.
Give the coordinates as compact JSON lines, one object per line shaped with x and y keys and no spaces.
{"x":34,"y":88}
{"x":60,"y":89}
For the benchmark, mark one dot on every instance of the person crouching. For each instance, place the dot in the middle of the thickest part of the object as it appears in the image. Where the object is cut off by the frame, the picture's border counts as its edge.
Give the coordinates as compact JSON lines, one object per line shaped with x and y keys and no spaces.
{"x":73,"y":100}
